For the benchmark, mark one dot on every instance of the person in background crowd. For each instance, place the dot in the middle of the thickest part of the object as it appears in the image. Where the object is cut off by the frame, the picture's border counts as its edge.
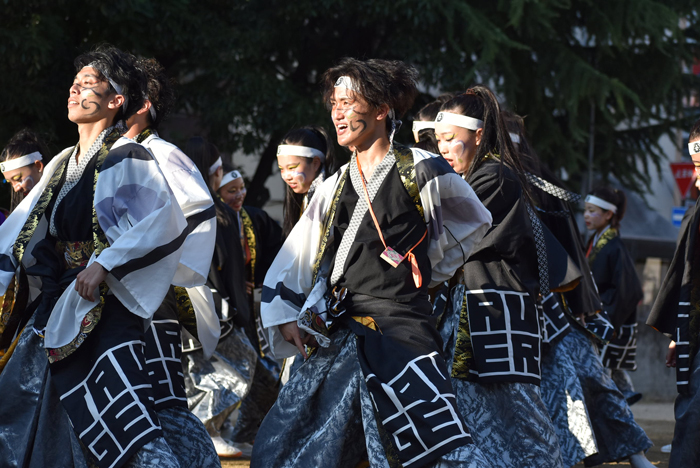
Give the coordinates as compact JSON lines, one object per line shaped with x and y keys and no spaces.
{"x":22,"y":164}
{"x":304,"y":158}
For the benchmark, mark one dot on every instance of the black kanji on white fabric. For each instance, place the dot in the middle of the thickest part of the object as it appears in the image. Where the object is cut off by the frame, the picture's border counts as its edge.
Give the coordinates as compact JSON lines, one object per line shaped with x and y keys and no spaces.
{"x":556,"y":325}
{"x":164,"y":364}
{"x":116,"y":419}
{"x":438,"y":409}
{"x":503,"y":327}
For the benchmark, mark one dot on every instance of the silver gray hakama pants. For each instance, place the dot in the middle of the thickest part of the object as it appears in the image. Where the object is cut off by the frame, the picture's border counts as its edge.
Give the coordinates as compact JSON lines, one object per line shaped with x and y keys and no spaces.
{"x":217,"y":386}
{"x":36,"y":432}
{"x":617,"y":434}
{"x":324,"y":417}
{"x":562,"y":395}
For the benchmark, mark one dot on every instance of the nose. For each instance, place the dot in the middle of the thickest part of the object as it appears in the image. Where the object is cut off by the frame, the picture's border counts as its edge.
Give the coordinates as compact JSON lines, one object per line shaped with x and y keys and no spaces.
{"x":444,"y":147}
{"x":337,"y":113}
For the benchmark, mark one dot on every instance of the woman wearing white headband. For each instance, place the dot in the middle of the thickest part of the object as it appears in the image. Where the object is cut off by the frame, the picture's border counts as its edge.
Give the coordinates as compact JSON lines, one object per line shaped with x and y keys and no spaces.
{"x":571,"y":367}
{"x":503,"y":282}
{"x":304,"y":157}
{"x":22,"y":164}
{"x":424,"y":124}
{"x":260,"y":238}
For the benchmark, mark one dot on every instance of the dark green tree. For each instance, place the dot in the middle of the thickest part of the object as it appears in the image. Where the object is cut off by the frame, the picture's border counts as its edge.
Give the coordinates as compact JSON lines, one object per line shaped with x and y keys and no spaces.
{"x":249,"y":70}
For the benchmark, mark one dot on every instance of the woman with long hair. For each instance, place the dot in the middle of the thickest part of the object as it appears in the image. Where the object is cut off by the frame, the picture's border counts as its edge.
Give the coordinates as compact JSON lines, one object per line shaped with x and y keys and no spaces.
{"x":496,"y":343}
{"x":304,"y":158}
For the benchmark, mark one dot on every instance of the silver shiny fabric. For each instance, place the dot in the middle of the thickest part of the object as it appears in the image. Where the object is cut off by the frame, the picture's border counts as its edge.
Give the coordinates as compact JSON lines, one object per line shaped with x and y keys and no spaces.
{"x":187,"y":438}
{"x":563,"y":396}
{"x":35,"y":431}
{"x":509,"y":423}
{"x":324,"y":417}
{"x":216,"y":386}
{"x":617,"y":434}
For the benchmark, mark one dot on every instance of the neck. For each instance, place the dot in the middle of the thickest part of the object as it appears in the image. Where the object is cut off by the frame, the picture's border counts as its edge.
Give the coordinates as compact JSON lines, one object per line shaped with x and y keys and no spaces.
{"x":602,"y":230}
{"x":136,"y":128}
{"x":88,"y":134}
{"x":373,"y":153}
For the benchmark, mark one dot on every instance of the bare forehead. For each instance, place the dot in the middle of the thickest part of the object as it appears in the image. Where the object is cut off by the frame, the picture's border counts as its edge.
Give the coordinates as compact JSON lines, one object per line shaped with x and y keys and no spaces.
{"x":88,"y":72}
{"x":343,"y":93}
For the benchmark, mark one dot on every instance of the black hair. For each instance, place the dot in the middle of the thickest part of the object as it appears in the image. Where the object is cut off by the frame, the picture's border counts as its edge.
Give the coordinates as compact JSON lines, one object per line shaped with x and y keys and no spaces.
{"x":616,"y":197}
{"x":204,"y":154}
{"x":695,"y":131}
{"x":426,"y":137}
{"x":515,"y":125}
{"x":22,"y":143}
{"x":479,"y":102}
{"x":313,"y":137}
{"x":379,"y":82}
{"x":121,"y":68}
{"x":159,"y":90}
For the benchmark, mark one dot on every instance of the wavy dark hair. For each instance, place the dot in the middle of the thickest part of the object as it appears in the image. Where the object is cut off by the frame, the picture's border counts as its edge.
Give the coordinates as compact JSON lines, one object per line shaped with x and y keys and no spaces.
{"x":159,"y":89}
{"x":313,"y":137}
{"x":616,"y":197}
{"x":23,"y":142}
{"x":389,"y":82}
{"x":121,"y":68}
{"x":479,"y":102}
{"x":427,"y":113}
{"x":204,"y":154}
{"x":694,"y":131}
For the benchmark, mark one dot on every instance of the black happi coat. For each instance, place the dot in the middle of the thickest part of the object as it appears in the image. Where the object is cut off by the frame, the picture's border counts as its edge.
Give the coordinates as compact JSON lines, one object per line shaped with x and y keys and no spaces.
{"x":676,"y":311}
{"x":499,"y":336}
{"x":265,"y":239}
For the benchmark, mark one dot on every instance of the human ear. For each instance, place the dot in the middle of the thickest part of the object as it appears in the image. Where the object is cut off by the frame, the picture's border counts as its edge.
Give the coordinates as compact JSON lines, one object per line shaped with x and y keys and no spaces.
{"x":116,"y":102}
{"x":479,"y":133}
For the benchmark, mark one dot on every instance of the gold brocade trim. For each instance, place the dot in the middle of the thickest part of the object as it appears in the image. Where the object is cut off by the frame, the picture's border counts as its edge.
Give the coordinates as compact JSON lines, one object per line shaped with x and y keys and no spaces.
{"x":75,"y":254}
{"x":407,"y":171}
{"x":141,"y":137}
{"x":249,"y":233}
{"x":185,"y":311}
{"x":314,"y":322}
{"x":607,"y":236}
{"x":7,"y":304}
{"x":87,"y":325}
{"x":37,"y":212}
{"x":8,"y":354}
{"x":464,"y":352}
{"x":368,"y":322}
{"x":327,"y":225}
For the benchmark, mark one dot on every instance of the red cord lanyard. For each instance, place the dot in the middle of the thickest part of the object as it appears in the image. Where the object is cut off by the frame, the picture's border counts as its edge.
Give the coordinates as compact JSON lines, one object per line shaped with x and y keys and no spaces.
{"x":391,"y":256}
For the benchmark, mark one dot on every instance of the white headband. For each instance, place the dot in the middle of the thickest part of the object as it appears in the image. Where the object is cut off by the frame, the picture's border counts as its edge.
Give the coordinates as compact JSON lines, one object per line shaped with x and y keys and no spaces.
{"x":515,"y":138}
{"x":296,"y":150}
{"x":217,"y":164}
{"x":230,"y":177}
{"x":599,"y":202}
{"x":22,"y":161}
{"x":694,"y":147}
{"x":344,"y":82}
{"x":459,"y":120}
{"x":419,"y":125}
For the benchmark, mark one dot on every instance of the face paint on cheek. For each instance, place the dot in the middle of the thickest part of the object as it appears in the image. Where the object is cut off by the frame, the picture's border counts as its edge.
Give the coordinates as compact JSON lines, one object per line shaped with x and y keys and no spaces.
{"x":27,"y":184}
{"x":457,"y":150}
{"x":299,"y":176}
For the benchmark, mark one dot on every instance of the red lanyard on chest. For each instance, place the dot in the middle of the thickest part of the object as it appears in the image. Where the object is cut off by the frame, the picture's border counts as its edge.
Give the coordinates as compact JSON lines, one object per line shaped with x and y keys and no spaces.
{"x":391,"y":256}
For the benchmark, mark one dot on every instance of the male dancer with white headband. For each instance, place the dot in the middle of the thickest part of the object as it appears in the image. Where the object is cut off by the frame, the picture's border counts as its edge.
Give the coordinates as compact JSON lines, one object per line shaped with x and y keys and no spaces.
{"x":189,"y":302}
{"x":675,"y":314}
{"x":352,"y":281}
